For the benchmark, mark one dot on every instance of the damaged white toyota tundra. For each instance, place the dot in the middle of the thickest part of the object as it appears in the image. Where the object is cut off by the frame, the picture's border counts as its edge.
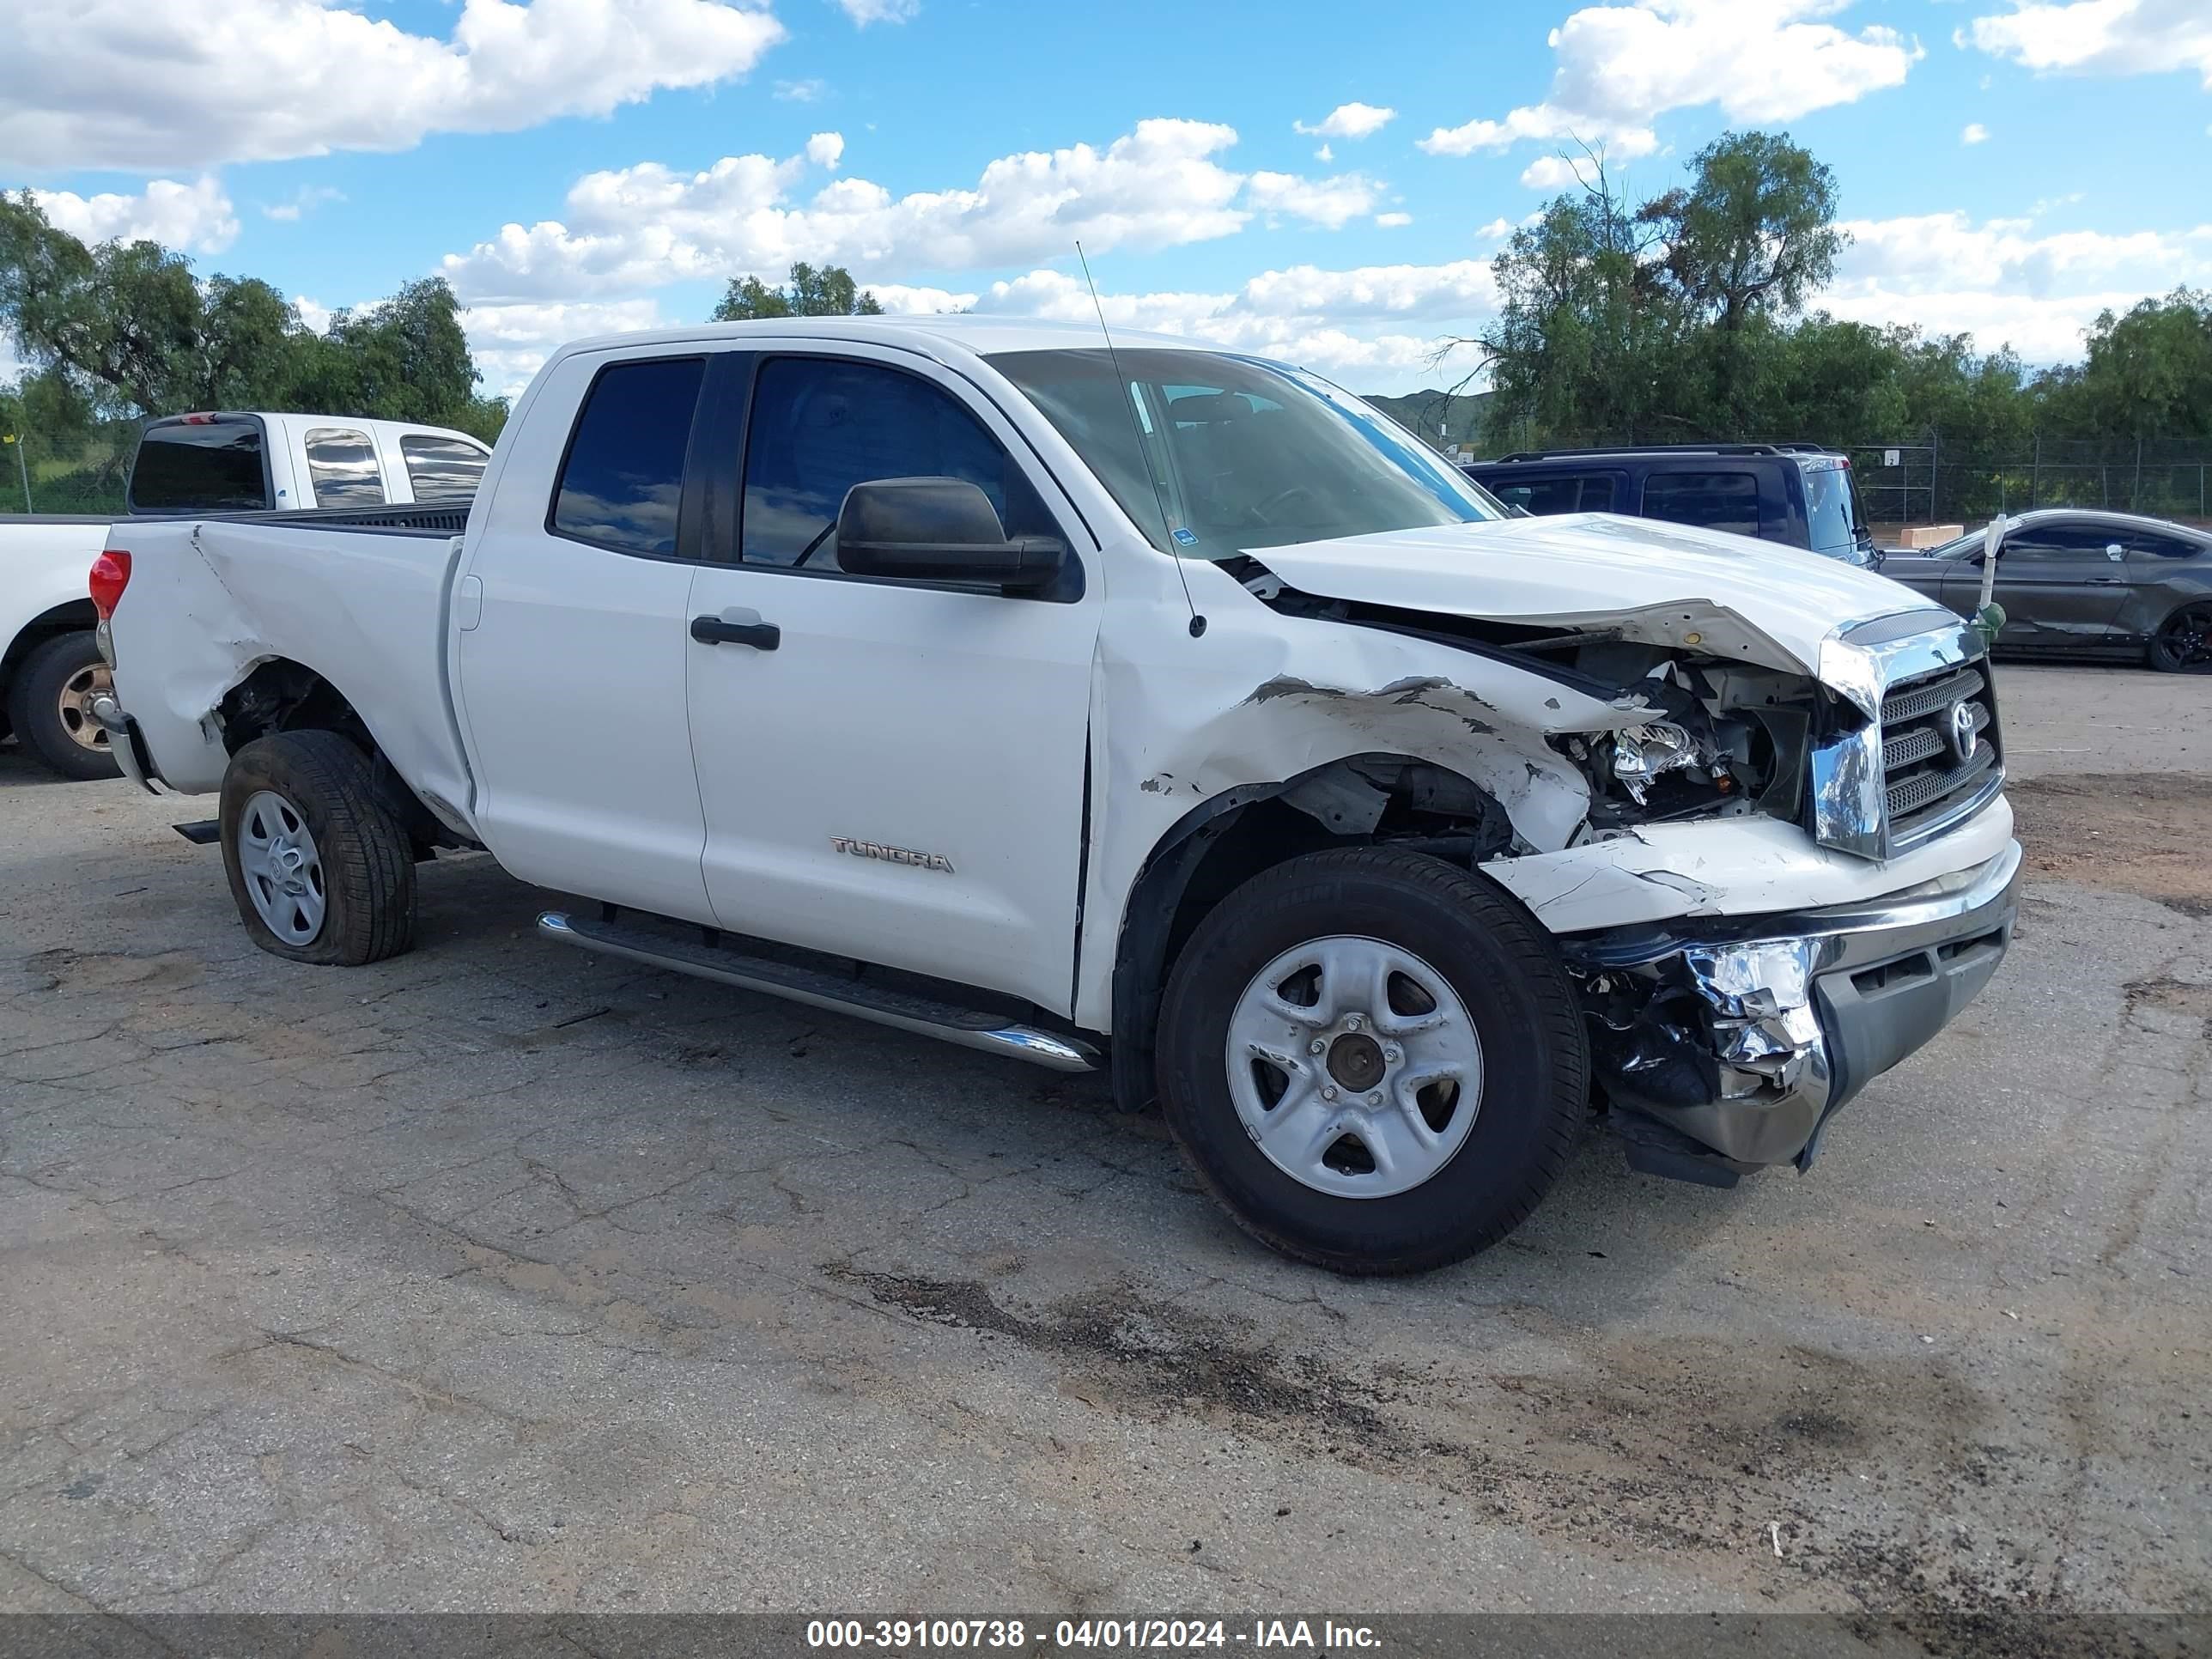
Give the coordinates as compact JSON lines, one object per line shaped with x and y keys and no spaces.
{"x":1155,"y":708}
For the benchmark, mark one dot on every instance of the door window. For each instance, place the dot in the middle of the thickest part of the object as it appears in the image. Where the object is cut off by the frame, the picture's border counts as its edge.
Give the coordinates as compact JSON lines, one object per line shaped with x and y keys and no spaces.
{"x":621,"y":481}
{"x":1576,"y":492}
{"x":2056,"y":543}
{"x":820,"y":425}
{"x":1712,"y":501}
{"x":443,"y":469}
{"x":2145,"y":545}
{"x":342,"y":467}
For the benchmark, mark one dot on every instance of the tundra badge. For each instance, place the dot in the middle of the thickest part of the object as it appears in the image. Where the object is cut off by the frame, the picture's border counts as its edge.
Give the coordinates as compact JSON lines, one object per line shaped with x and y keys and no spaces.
{"x":871,"y":849}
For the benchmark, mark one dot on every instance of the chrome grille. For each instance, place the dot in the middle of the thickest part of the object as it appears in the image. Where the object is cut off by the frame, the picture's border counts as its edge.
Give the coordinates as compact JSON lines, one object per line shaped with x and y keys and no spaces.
{"x":1927,"y":776}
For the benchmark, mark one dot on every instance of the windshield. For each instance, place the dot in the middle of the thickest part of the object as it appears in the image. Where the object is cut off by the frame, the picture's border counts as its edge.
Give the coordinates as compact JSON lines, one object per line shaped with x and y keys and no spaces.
{"x":1212,"y":455}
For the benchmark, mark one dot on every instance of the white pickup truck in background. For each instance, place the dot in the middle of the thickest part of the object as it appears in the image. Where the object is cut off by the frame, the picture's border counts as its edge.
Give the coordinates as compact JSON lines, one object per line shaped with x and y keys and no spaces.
{"x":49,"y":670}
{"x":1147,"y":706}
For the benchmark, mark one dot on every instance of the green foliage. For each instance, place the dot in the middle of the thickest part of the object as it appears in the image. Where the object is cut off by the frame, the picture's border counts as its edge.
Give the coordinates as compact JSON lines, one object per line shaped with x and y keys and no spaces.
{"x":1686,"y":318}
{"x":828,"y":292}
{"x":122,"y":331}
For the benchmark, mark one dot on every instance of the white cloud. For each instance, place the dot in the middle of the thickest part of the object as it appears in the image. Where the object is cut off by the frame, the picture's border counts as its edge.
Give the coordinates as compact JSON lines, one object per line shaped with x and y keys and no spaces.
{"x":1392,"y":220}
{"x":123,"y":83}
{"x":1349,"y":121}
{"x":302,"y":201}
{"x":865,"y":12}
{"x":1158,"y":186}
{"x":1330,"y":203}
{"x":1621,"y":67}
{"x":1324,"y":154}
{"x":1973,"y":133}
{"x":1554,"y":173}
{"x":2100,"y":37}
{"x":197,"y":217}
{"x":809,"y":91}
{"x":824,"y":149}
{"x":2000,"y":281}
{"x":512,"y":342}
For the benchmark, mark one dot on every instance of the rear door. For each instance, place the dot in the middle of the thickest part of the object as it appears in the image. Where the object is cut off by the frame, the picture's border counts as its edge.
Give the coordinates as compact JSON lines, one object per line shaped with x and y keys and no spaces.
{"x":1711,"y":496}
{"x":571,"y":608}
{"x":2062,"y":582}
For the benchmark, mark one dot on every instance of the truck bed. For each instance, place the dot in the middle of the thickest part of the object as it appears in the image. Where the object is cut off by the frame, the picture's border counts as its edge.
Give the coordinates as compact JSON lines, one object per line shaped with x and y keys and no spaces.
{"x":428,"y":518}
{"x":358,"y":596}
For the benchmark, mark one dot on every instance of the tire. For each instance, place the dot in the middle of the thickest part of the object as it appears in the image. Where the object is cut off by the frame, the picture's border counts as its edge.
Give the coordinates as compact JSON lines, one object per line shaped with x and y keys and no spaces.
{"x":2183,"y":644}
{"x":1530,"y":1093}
{"x":354,"y":901}
{"x":46,"y":705}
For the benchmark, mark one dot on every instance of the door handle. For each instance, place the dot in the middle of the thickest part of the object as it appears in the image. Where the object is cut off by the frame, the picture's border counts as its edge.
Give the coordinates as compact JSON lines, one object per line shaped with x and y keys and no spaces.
{"x":2108,"y":582}
{"x":713,"y":630}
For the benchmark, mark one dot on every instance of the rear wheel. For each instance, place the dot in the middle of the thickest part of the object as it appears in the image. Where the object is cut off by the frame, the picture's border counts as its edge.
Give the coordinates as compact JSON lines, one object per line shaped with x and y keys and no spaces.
{"x":1375,"y":1061}
{"x":2183,"y":644}
{"x":319,"y":864}
{"x":49,"y":705}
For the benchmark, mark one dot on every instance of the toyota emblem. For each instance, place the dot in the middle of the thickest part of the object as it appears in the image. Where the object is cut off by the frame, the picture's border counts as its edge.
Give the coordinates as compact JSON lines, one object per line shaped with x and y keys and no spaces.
{"x":1962,"y":731}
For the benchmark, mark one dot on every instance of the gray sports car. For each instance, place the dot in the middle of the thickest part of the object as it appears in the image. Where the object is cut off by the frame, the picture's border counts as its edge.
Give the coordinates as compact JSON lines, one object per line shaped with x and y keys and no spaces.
{"x":2102,"y":584}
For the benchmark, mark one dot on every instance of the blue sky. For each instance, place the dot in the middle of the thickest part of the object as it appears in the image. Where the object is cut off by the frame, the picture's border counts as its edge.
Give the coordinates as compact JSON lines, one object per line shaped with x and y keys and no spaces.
{"x":1324,"y":182}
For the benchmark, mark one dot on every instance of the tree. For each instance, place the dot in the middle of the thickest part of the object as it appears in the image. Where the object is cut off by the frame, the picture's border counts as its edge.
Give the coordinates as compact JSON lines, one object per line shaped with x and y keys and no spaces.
{"x":2147,"y":372}
{"x":828,"y":292}
{"x":123,"y":330}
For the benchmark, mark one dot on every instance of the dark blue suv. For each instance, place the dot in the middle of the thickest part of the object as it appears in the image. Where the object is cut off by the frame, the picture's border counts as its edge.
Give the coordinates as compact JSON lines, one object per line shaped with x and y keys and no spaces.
{"x":1795,"y":494}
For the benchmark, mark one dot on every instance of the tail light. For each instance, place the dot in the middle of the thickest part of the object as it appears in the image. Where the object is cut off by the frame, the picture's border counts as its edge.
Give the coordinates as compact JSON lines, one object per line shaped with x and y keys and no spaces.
{"x":110,"y":571}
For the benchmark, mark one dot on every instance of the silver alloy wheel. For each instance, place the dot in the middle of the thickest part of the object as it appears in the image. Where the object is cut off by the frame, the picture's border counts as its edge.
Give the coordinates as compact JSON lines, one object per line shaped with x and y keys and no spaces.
{"x":283,"y":870}
{"x":93,"y":680}
{"x":1355,"y":1066}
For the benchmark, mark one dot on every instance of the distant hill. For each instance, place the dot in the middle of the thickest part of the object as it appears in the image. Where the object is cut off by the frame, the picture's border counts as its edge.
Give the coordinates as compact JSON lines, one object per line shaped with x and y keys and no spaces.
{"x":1443,"y":418}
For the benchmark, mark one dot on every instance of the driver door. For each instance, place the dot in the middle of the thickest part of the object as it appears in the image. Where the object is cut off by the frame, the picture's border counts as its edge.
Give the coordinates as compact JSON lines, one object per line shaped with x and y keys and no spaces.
{"x":896,"y":771}
{"x":2061,"y":584}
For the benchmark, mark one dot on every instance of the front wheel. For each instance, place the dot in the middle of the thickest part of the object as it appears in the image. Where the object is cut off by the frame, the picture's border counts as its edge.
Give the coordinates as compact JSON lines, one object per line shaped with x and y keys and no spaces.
{"x":319,"y":864}
{"x":2183,"y":644}
{"x":1375,"y":1060}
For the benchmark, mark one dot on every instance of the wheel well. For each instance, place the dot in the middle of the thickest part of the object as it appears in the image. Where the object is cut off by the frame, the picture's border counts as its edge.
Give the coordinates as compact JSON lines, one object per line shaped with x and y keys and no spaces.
{"x":68,"y":617}
{"x":1359,"y":801}
{"x":283,"y":696}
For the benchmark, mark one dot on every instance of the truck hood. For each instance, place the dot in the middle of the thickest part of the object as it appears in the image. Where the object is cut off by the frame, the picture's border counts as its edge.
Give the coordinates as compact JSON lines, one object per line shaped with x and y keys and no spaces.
{"x":1660,"y":584}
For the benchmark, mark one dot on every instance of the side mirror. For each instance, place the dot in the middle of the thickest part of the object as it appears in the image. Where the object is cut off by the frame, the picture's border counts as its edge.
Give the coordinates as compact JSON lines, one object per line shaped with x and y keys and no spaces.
{"x":938,"y":530}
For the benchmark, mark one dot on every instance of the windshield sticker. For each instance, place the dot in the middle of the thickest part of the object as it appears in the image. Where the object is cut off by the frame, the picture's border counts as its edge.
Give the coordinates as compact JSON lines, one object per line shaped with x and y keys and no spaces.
{"x":1185,"y":537}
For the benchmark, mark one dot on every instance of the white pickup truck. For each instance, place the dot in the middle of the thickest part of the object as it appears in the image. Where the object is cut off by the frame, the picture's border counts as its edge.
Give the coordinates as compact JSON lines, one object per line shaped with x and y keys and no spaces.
{"x":195,"y":463}
{"x":1149,"y":706}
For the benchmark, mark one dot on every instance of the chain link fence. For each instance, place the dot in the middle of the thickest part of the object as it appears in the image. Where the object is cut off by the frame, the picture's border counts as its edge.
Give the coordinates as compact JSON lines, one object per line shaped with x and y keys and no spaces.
{"x":77,"y":474}
{"x":1928,"y":481}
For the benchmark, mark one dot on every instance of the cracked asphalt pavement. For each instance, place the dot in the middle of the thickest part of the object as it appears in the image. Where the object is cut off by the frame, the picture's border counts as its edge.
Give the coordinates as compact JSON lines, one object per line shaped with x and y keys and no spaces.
{"x":499,"y":1277}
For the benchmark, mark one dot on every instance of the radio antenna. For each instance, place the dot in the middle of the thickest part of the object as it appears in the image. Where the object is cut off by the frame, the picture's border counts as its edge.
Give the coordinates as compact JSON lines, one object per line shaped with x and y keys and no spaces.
{"x":1127,"y":394}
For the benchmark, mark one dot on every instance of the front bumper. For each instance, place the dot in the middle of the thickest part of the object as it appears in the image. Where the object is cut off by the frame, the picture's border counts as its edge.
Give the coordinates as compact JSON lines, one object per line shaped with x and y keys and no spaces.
{"x":1739,"y":1038}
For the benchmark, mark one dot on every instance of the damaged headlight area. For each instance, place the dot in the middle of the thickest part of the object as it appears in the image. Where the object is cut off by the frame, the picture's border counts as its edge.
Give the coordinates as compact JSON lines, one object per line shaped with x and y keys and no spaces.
{"x":1717,"y":741}
{"x":1720,"y":1042}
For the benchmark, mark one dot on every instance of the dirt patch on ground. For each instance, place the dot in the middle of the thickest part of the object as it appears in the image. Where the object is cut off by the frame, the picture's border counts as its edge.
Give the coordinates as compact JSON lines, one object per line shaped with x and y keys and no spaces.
{"x":2148,"y":833}
{"x":1714,"y":1447}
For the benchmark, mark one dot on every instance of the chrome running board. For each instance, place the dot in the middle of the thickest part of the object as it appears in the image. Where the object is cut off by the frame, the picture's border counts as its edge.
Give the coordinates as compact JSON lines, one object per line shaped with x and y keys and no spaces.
{"x":901,"y":1010}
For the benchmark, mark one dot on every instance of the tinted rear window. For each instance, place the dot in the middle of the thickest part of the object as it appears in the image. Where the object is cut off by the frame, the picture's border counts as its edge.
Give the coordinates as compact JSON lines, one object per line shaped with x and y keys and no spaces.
{"x":622,"y":480}
{"x":342,"y":467}
{"x":443,"y":469}
{"x":209,"y":466}
{"x":1712,"y":501}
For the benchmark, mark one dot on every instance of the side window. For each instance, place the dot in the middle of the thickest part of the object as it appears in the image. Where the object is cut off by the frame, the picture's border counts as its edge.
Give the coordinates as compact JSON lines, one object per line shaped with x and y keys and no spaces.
{"x":2051,"y":544}
{"x":1574,"y":493}
{"x":2145,"y":546}
{"x":342,"y":467}
{"x":1712,"y":501}
{"x":821,"y":425}
{"x":622,"y":481}
{"x":443,"y":469}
